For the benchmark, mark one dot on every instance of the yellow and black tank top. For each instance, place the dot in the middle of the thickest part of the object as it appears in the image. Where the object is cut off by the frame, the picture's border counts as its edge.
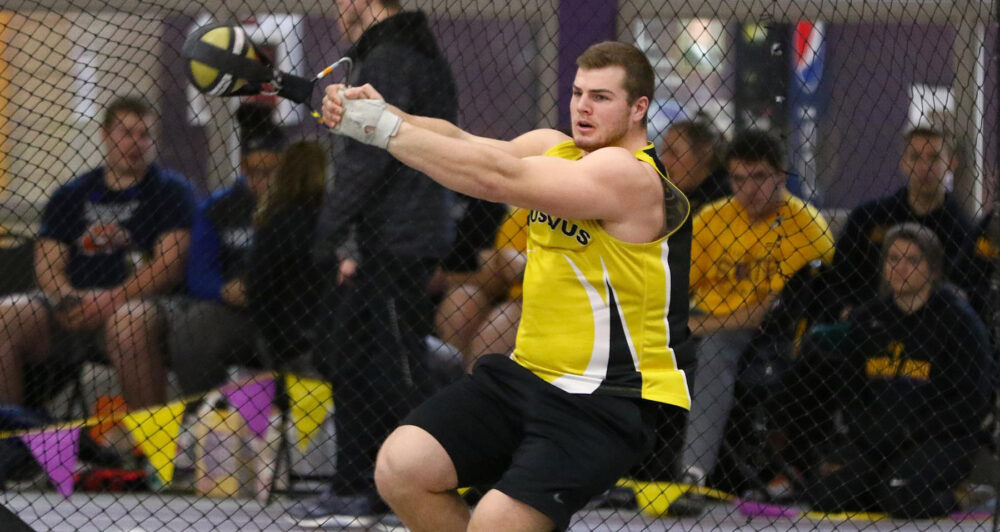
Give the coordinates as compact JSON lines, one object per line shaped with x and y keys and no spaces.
{"x":602,"y":315}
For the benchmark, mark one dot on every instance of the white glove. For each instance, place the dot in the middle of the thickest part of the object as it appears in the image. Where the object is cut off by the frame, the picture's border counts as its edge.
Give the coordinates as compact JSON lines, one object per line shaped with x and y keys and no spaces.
{"x":368,"y":121}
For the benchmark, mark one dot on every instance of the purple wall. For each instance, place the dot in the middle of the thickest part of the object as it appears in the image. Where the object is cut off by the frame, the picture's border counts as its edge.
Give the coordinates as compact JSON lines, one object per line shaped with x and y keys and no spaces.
{"x":581,"y":24}
{"x":870,"y":69}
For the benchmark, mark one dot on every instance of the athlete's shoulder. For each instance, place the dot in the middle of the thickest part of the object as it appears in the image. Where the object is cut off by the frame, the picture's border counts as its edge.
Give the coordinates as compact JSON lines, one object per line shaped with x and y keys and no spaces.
{"x":540,"y":142}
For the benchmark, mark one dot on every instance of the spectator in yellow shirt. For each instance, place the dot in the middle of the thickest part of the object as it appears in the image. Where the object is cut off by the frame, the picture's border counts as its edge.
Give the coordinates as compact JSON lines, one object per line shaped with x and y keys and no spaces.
{"x":743,"y":250}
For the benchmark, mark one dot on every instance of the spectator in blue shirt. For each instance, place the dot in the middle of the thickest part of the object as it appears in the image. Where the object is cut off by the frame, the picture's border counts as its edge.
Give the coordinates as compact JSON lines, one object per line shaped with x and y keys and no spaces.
{"x":199,"y":333}
{"x":110,"y":236}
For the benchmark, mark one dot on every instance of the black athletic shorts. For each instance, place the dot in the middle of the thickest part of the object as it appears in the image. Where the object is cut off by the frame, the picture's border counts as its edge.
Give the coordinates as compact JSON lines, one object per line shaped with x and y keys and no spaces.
{"x":545,"y":447}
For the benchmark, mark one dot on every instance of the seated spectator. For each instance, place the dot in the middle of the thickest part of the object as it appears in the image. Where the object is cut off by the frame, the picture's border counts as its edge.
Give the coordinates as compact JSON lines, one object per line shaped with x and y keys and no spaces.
{"x":476,"y":225}
{"x":926,"y":162}
{"x":113,"y":235}
{"x":199,"y":333}
{"x":693,"y":152}
{"x":283,"y":284}
{"x":911,"y":370}
{"x":481,"y":314}
{"x":743,"y":249}
{"x":754,"y":457}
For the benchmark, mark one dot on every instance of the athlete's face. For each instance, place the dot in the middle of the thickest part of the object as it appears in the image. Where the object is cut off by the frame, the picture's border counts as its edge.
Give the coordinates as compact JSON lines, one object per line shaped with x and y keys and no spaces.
{"x":757,"y":186}
{"x":906,"y":270}
{"x":925,"y":163}
{"x":129,"y":145}
{"x":599,"y":108}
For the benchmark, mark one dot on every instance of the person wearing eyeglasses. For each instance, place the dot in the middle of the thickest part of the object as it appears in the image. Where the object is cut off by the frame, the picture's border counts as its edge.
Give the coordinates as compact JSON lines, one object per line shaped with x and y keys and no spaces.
{"x":744,"y":248}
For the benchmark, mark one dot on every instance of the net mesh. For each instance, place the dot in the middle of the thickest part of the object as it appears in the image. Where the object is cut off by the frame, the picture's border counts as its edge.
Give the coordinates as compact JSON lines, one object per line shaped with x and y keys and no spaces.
{"x":215,"y":311}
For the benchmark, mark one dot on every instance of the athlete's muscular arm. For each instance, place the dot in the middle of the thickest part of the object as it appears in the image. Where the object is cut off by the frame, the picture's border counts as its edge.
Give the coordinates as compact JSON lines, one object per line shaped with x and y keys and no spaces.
{"x":609,"y":184}
{"x":531,"y":143}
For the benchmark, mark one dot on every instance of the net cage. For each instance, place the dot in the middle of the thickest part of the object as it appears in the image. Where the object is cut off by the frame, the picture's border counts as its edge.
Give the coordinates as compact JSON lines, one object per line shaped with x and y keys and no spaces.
{"x":214,"y":311}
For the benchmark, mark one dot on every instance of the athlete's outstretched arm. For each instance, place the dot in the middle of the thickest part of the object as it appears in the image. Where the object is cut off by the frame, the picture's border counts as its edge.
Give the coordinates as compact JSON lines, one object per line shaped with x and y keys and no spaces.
{"x":531,"y":143}
{"x":606,"y":185}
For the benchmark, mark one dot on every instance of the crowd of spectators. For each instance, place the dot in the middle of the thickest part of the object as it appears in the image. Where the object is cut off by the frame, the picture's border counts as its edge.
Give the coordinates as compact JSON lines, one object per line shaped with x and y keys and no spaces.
{"x":862,"y":384}
{"x":882,"y":329}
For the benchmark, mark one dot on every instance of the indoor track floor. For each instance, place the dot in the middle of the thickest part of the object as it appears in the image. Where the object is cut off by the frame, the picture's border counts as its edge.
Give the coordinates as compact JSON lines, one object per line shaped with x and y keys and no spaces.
{"x":44,"y":511}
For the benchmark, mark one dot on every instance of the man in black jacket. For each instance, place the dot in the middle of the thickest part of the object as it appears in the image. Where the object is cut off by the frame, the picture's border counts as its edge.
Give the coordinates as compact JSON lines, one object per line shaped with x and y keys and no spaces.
{"x":926,"y":160}
{"x":374,"y":352}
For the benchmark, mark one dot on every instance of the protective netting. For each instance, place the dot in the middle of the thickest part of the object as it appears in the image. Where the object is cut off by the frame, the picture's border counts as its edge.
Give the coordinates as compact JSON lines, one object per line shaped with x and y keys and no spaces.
{"x":216,"y":311}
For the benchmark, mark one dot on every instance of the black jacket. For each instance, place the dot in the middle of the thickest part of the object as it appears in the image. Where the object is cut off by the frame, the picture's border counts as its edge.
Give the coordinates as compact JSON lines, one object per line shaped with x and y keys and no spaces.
{"x":392,"y":208}
{"x":284,"y":285}
{"x":914,"y":377}
{"x":859,"y":247}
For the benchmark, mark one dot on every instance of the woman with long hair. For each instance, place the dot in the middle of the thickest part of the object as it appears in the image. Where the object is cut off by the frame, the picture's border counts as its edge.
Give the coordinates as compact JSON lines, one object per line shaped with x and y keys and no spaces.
{"x":283,"y":282}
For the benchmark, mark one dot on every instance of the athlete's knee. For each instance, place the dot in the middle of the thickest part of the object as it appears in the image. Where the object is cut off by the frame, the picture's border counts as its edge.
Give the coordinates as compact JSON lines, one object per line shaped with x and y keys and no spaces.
{"x":411,"y":460}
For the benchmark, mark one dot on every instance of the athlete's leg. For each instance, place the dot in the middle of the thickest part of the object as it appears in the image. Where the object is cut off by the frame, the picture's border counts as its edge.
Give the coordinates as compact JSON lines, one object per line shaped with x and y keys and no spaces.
{"x":416,"y":477}
{"x":499,"y":511}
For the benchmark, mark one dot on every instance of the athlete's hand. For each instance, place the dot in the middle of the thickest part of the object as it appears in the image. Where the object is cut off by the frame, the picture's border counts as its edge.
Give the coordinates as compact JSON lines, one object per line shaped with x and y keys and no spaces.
{"x":334,"y":96}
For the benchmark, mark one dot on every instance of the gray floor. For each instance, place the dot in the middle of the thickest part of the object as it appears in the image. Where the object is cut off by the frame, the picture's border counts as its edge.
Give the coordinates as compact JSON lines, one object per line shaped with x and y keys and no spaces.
{"x":152,"y":512}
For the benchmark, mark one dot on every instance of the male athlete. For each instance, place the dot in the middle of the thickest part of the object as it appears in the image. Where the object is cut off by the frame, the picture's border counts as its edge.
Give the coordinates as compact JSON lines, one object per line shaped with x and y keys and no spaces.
{"x":605,"y":305}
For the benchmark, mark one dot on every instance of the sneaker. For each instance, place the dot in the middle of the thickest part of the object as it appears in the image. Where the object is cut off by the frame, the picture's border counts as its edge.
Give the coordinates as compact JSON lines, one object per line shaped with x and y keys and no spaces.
{"x":782,"y":488}
{"x":687,"y":505}
{"x":330,"y":509}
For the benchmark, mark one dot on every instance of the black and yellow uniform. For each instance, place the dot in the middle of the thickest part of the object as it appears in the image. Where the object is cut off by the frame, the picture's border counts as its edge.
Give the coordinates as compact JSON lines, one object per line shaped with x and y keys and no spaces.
{"x":570,"y":412}
{"x":598,"y":314}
